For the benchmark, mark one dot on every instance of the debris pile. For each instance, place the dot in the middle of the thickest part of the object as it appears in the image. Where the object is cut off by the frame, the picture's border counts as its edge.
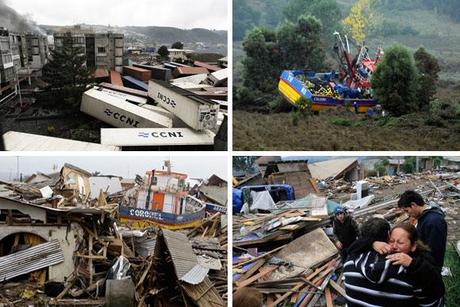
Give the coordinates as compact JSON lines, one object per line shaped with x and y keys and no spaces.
{"x":285,"y":252}
{"x":59,"y":245}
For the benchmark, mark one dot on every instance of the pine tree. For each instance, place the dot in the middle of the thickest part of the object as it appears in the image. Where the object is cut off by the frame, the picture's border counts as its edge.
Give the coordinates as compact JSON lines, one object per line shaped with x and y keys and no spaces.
{"x":67,"y":74}
{"x":163,"y":52}
{"x":428,"y":68}
{"x":395,"y":81}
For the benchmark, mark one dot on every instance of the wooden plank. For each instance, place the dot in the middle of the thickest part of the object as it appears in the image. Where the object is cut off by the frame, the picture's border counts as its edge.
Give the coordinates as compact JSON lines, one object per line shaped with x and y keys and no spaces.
{"x":259,"y":257}
{"x":270,"y":299}
{"x":252,"y":270}
{"x":263,"y":271}
{"x":313,"y":183}
{"x":337,"y":288}
{"x":329,"y":301}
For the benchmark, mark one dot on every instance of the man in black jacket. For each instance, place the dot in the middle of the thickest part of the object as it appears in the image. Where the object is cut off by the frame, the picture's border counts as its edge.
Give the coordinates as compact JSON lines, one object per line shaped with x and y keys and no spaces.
{"x":345,"y":230}
{"x":372,"y":280}
{"x":431,"y":225}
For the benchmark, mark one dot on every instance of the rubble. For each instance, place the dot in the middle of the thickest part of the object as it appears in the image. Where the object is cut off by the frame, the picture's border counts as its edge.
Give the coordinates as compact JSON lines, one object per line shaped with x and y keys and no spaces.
{"x":286,"y":252}
{"x":73,"y":248}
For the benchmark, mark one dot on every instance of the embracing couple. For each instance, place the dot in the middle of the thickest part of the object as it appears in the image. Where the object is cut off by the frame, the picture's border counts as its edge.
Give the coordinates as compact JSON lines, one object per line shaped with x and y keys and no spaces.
{"x":392,"y":267}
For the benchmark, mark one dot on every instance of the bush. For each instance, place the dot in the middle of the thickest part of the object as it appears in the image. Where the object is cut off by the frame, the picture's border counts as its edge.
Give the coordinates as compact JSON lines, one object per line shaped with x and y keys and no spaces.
{"x":445,"y":109}
{"x":341,"y":122}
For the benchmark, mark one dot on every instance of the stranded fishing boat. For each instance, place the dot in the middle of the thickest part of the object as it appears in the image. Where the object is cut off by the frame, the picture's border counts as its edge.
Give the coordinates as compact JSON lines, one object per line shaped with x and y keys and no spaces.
{"x":162,"y":199}
{"x":350,"y":87}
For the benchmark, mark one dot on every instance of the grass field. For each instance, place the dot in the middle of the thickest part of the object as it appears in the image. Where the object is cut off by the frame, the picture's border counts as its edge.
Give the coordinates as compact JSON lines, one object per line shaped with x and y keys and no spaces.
{"x":339,"y":130}
{"x":452,"y":283}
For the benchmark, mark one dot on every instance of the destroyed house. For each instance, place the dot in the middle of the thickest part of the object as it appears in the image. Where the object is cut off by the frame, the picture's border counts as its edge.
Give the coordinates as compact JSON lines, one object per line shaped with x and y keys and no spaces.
{"x":215,"y":191}
{"x":29,"y":229}
{"x":74,"y":179}
{"x":295,"y":173}
{"x":334,"y":169}
{"x":452,"y":163}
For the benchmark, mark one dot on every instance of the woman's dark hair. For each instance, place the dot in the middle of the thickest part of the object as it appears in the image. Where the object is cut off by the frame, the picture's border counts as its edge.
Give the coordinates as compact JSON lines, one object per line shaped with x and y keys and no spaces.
{"x":412,"y":234}
{"x":375,"y":229}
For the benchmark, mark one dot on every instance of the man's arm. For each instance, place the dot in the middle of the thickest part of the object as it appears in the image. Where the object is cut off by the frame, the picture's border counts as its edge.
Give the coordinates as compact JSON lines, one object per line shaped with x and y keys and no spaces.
{"x":434,"y":235}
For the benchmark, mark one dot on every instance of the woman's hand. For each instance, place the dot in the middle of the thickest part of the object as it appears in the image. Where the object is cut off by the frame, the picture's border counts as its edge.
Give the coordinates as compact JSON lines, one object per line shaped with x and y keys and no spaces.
{"x":382,"y":248}
{"x":400,"y":258}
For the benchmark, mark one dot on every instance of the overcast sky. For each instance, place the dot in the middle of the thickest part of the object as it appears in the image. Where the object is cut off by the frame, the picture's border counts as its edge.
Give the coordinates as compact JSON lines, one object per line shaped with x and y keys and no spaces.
{"x":195,"y":166}
{"x":185,"y":14}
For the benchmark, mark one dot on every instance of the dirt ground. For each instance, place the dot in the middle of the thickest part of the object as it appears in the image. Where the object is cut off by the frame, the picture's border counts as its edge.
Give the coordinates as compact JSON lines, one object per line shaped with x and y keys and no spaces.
{"x":337,"y":130}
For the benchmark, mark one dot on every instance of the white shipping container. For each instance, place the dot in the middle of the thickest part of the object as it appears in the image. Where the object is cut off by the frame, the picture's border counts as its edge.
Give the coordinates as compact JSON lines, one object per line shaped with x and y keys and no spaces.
{"x":155,"y":137}
{"x":198,"y":113}
{"x":18,"y":141}
{"x":115,"y":109}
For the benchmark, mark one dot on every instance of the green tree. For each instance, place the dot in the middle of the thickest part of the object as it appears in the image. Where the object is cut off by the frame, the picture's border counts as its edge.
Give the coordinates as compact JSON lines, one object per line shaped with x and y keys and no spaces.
{"x":261,"y":67}
{"x":163,"y":52}
{"x":244,"y":163}
{"x":381,"y":167}
{"x":290,"y":46}
{"x":409,"y":165}
{"x":395,"y":81}
{"x":177,"y":45}
{"x":67,"y":74}
{"x":299,"y":44}
{"x":327,"y":11}
{"x":428,"y":68}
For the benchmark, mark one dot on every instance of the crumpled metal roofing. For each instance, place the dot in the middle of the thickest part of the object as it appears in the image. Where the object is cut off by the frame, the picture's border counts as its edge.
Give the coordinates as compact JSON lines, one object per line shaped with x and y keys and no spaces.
{"x":184,"y":259}
{"x":31,"y":259}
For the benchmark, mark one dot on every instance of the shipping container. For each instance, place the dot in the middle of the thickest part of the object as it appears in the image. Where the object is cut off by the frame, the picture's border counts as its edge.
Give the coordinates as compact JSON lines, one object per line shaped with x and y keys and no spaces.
{"x":157,"y":72}
{"x":119,"y":110}
{"x":198,"y":113}
{"x":18,"y":141}
{"x":155,"y":137}
{"x":136,"y":72}
{"x":134,"y":83}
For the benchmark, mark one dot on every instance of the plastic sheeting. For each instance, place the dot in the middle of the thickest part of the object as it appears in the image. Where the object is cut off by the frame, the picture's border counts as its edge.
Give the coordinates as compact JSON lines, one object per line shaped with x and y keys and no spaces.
{"x":262,"y":201}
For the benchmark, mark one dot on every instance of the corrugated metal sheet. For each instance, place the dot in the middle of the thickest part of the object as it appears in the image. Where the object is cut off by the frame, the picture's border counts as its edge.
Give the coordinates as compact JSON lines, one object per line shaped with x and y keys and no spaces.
{"x":195,"y":275}
{"x":184,"y":259}
{"x":29,"y":260}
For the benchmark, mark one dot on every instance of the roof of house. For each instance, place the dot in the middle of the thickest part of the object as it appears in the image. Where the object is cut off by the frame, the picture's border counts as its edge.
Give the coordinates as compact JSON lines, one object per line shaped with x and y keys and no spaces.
{"x":331,"y":168}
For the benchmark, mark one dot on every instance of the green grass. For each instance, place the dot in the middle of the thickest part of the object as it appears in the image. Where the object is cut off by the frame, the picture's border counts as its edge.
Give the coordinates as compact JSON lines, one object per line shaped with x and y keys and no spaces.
{"x":452,"y":283}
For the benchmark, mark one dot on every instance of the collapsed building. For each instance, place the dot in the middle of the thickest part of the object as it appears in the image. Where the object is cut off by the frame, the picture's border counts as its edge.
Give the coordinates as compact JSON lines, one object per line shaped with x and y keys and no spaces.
{"x":63,"y":239}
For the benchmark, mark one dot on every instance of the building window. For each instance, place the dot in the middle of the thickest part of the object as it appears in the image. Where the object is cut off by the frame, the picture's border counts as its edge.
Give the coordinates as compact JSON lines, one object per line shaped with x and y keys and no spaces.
{"x":9,"y":73}
{"x":101,"y":49}
{"x":78,"y":40}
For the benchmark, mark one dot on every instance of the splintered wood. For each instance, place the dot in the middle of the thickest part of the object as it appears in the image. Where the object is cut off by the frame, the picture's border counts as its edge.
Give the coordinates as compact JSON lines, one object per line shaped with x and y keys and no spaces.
{"x":299,"y":272}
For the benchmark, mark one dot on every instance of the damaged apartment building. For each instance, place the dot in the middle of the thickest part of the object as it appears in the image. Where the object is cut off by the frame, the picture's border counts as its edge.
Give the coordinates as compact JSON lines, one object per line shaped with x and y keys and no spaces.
{"x":22,"y":56}
{"x":102,"y":50}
